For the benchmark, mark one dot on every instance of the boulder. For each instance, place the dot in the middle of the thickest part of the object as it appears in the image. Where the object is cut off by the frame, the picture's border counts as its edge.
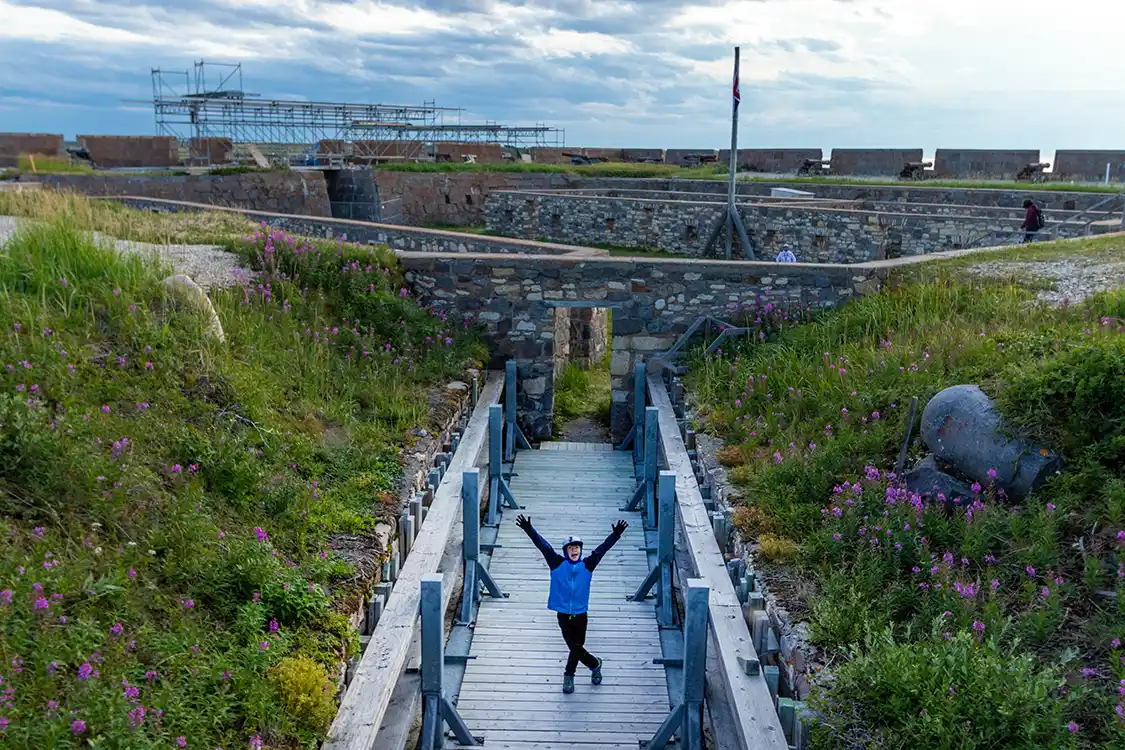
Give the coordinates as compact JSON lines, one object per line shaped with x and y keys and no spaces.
{"x":182,"y":287}
{"x":963,"y":428}
{"x":928,"y":478}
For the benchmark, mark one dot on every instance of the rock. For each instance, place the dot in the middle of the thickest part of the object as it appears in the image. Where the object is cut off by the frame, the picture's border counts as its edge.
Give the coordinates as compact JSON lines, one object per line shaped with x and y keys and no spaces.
{"x":456,"y":385}
{"x":184,"y":288}
{"x":962,"y":427}
{"x":927,"y":478}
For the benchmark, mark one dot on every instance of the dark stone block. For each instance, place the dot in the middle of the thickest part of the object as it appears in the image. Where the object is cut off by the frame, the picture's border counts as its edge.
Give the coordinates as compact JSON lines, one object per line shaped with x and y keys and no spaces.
{"x":928,"y":478}
{"x":627,"y":326}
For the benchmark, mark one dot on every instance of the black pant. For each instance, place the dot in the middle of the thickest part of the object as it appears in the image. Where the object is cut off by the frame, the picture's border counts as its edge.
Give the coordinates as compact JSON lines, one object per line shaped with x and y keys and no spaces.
{"x":1029,"y":235}
{"x":574,"y":633}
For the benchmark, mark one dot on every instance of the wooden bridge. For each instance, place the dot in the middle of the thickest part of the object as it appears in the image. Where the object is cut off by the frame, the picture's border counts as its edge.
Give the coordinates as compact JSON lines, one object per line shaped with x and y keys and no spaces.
{"x":678,"y":644}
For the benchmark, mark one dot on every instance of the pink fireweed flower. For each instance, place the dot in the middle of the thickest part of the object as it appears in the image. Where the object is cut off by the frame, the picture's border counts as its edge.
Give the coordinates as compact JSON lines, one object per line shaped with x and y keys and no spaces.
{"x":263,"y":646}
{"x":132,"y":574}
{"x":274,"y":627}
{"x":86,"y":671}
{"x":188,"y":603}
{"x":176,"y":469}
{"x":181,"y":741}
{"x":978,"y":626}
{"x":260,"y":534}
{"x":77,"y":726}
{"x":1071,"y":727}
{"x":992,"y":473}
{"x":117,"y":629}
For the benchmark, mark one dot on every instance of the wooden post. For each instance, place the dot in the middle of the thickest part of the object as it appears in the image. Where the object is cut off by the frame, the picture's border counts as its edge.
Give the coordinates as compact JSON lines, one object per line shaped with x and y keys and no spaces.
{"x":688,"y":713}
{"x":436,"y":708}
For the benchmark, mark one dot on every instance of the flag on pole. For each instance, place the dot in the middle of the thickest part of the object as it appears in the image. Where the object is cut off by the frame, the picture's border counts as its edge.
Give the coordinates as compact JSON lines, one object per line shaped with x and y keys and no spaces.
{"x":737,"y":94}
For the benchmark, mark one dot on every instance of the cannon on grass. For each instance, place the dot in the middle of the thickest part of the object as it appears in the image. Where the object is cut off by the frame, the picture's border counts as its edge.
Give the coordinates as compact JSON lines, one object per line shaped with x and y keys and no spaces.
{"x":915,"y":170}
{"x":1033,"y":172}
{"x":582,"y":160}
{"x":814,"y":167}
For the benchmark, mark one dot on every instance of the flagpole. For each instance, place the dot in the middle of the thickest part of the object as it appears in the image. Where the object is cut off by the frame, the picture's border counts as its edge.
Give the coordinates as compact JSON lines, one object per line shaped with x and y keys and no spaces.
{"x":733,"y":156}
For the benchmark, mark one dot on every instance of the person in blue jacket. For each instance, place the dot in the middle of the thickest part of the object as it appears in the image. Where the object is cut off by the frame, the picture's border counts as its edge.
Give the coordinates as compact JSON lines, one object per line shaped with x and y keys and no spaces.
{"x":570,"y":594}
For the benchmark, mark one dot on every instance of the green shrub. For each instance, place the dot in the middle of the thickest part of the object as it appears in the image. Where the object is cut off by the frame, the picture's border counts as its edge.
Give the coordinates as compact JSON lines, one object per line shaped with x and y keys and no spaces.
{"x":306,"y":692}
{"x":942,"y":691}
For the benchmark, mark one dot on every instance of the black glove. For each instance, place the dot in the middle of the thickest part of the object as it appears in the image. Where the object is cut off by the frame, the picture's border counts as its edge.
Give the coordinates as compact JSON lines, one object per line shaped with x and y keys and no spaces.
{"x":619,"y":527}
{"x":523,"y":522}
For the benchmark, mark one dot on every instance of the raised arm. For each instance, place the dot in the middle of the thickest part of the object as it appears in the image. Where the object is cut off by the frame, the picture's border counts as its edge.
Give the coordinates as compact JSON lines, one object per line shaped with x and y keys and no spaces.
{"x":554,"y":559}
{"x":596,"y":556}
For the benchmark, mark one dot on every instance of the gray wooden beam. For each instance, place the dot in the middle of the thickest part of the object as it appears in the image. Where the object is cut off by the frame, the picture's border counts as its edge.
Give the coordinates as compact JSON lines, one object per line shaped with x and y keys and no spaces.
{"x":364,"y":704}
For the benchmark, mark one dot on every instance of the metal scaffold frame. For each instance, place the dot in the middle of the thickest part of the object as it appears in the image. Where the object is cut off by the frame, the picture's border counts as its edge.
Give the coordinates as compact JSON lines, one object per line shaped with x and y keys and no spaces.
{"x":189,"y":108}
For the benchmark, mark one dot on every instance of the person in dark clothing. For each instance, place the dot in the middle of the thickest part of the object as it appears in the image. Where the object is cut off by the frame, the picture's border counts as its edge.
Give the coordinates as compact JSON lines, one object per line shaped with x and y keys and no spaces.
{"x":1032,"y":221}
{"x":569,"y":596}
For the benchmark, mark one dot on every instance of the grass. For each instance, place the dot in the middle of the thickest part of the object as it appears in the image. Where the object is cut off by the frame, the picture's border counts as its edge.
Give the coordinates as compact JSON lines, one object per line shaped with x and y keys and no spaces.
{"x":176,"y":511}
{"x":714,"y":172}
{"x":117,"y":220}
{"x":812,"y":409}
{"x":603,"y":169}
{"x":582,"y":392}
{"x":478,"y":229}
{"x":45,"y":164}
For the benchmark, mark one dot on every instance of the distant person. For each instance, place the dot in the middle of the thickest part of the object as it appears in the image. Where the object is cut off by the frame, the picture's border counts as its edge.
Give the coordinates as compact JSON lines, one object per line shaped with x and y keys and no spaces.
{"x":786,"y":256}
{"x":1033,"y":220}
{"x":569,"y":595}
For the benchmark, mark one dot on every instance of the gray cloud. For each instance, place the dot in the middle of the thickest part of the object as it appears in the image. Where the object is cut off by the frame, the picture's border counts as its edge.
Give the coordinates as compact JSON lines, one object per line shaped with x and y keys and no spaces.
{"x":612,"y":72}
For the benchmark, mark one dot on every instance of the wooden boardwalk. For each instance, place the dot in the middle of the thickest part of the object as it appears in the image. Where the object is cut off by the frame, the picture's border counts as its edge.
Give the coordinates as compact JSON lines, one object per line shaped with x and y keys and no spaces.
{"x":512,"y":691}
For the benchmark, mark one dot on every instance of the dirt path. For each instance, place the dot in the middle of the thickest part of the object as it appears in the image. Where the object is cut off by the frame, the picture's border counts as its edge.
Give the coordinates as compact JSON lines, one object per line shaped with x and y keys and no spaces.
{"x":584,"y":430}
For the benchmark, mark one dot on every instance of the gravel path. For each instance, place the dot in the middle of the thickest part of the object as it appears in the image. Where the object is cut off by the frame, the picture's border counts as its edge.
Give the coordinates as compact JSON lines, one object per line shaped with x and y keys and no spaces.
{"x":1075,"y":277}
{"x":210,"y":266}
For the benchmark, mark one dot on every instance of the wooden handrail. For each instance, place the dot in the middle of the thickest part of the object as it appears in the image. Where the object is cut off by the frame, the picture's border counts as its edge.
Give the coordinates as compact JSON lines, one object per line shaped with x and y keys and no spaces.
{"x":365,"y":703}
{"x":756,"y":719}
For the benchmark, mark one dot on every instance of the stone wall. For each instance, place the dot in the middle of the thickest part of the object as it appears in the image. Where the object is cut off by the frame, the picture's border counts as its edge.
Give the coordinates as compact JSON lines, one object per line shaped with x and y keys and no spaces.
{"x":451,"y":198}
{"x":211,"y":150}
{"x":589,"y":335}
{"x":815,"y":234}
{"x":399,"y":238}
{"x":776,"y":161}
{"x":296,"y":192}
{"x":458,"y":198}
{"x":353,"y":194}
{"x":680,"y":156}
{"x":982,"y":163}
{"x":14,"y":144}
{"x":1088,"y":165}
{"x":874,"y":162}
{"x":112,"y":151}
{"x":485,"y":153}
{"x":652,"y":302}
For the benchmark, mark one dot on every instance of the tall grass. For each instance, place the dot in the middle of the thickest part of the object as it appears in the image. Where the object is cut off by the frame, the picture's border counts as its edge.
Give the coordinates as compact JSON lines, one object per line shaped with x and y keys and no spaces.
{"x":583,"y":392}
{"x":175,"y":509}
{"x":46,"y":164}
{"x":813,"y":413}
{"x":122,"y":222}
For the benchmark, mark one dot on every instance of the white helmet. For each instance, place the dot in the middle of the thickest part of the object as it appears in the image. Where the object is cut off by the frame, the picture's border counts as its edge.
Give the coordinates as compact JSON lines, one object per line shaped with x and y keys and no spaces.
{"x":572,"y":540}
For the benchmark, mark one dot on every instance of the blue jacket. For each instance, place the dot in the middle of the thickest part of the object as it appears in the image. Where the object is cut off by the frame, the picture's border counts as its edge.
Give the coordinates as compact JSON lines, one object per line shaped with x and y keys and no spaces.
{"x":570,"y":581}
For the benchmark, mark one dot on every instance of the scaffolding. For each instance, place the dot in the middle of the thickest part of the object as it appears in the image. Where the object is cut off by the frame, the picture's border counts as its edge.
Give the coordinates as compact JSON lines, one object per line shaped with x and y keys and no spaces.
{"x":192,"y":110}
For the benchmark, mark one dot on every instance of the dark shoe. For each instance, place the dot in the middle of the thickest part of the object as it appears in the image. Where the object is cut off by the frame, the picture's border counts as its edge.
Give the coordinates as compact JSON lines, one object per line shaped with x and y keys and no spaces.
{"x":568,"y":683}
{"x":596,"y":674}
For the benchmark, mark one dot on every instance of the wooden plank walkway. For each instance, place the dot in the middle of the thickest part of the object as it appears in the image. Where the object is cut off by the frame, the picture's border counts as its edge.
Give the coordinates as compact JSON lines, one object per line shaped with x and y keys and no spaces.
{"x":512,"y":692}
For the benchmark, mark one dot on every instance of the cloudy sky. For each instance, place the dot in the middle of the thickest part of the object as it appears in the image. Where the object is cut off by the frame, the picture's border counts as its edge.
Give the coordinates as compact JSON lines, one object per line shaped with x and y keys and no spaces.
{"x":640,"y":73}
